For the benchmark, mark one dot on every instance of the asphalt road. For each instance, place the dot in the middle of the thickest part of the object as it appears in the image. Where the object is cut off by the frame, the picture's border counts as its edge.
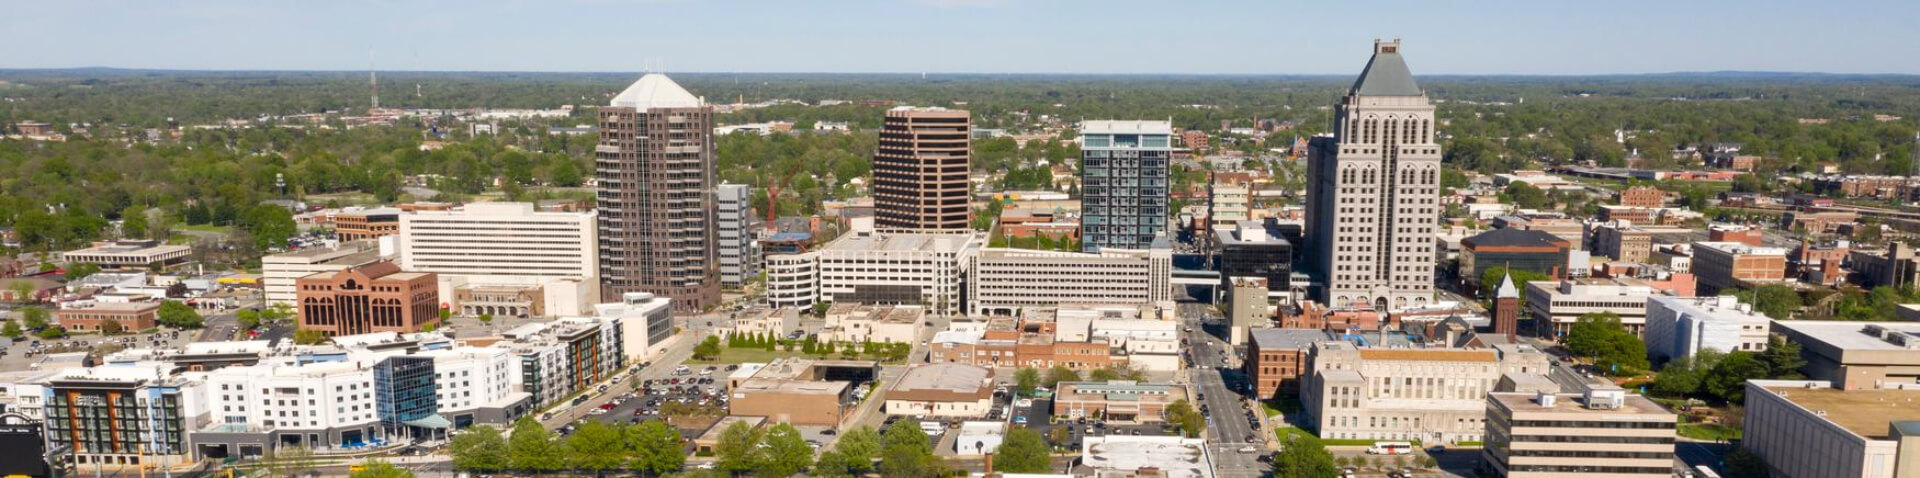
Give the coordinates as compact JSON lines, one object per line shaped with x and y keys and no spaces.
{"x":1228,"y":431}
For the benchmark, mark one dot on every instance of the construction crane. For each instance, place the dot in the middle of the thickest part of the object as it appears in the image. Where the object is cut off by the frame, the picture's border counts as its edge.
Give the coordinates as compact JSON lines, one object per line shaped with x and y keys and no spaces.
{"x":774,"y":183}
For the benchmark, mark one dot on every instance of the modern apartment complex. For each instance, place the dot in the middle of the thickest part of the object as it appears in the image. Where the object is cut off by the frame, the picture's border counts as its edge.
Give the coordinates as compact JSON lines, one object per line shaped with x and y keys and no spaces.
{"x":733,"y":228}
{"x":1434,"y":395}
{"x":1602,"y":433}
{"x":1373,"y":191}
{"x":921,"y":169}
{"x":655,"y":169}
{"x":1002,"y":281}
{"x":1124,"y":182}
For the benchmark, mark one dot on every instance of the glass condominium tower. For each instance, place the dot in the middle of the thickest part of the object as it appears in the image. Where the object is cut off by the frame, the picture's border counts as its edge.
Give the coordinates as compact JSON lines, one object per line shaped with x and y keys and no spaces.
{"x":1123,"y":175}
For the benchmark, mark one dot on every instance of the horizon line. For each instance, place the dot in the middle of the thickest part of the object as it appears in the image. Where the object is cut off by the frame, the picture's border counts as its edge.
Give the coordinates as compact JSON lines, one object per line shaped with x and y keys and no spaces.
{"x":959,"y":73}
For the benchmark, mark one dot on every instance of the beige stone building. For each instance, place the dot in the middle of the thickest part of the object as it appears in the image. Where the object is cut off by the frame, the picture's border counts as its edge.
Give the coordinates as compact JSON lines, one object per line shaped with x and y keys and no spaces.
{"x":1434,"y":395}
{"x":868,"y":323}
{"x":1809,"y":429}
{"x":1622,"y":241}
{"x":1603,"y":433}
{"x":1373,"y":191}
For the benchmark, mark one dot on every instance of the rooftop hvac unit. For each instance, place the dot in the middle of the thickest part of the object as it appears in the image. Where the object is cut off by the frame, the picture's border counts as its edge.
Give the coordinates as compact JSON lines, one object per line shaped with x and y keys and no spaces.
{"x":1606,"y":399}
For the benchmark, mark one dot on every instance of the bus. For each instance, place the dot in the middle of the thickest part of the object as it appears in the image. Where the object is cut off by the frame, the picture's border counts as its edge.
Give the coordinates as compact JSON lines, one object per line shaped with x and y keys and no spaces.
{"x":1390,"y":448}
{"x":1704,"y":471}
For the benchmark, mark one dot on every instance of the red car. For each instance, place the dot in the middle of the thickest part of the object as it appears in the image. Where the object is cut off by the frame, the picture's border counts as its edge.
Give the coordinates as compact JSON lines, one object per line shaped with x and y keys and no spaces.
{"x":606,"y":406}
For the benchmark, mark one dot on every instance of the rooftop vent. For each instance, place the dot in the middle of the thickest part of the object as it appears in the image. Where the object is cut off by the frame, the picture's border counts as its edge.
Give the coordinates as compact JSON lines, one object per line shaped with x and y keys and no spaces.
{"x":1606,"y":399}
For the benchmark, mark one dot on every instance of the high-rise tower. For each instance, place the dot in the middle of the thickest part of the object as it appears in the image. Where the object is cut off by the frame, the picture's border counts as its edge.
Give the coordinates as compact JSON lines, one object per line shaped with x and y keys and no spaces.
{"x":1373,"y":192}
{"x":921,"y":169}
{"x":655,"y":167}
{"x":1124,"y":182}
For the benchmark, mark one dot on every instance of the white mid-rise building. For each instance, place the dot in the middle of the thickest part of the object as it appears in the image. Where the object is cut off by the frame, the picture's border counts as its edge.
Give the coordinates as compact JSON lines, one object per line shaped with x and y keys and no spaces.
{"x":865,"y":267}
{"x":733,"y":223}
{"x":505,"y":258}
{"x":279,"y":271}
{"x":1002,"y":281}
{"x":1682,"y":326}
{"x":1435,"y":395}
{"x":1554,"y":307}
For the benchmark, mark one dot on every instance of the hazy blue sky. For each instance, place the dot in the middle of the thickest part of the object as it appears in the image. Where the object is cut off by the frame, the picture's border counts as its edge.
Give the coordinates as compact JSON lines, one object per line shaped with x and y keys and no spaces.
{"x":1020,"y":36}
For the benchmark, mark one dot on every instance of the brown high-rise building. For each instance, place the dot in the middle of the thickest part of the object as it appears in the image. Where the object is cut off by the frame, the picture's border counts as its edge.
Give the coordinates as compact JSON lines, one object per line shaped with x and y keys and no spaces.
{"x":921,"y":169}
{"x":375,"y":297}
{"x":655,"y":166}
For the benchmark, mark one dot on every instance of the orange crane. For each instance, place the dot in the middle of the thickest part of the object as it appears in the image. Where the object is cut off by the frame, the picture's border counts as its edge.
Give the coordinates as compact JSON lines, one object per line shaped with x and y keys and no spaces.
{"x":773,"y":193}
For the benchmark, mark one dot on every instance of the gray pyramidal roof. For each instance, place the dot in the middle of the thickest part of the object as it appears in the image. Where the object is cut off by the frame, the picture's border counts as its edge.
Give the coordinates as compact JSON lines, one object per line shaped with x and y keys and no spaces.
{"x":1507,"y":290}
{"x":1386,"y":75}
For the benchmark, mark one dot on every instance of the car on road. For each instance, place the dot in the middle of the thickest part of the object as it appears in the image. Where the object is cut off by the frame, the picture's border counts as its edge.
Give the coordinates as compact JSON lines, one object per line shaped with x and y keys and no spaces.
{"x":1248,"y":449}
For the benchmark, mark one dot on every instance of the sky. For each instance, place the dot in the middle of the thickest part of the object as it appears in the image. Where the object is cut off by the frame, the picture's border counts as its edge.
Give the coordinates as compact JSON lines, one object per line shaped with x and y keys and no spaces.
{"x":965,"y":36}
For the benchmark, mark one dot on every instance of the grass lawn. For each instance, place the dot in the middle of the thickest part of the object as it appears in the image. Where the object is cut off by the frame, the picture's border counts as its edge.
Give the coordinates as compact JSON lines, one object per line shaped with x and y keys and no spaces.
{"x":204,"y":228}
{"x":1704,"y":431}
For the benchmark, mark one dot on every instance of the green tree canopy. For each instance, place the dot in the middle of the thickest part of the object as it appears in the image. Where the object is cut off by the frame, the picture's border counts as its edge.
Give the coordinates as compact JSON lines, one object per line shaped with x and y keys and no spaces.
{"x":1023,"y":451}
{"x":479,"y":448}
{"x":738,"y":449}
{"x":1304,"y":456}
{"x":783,"y":452}
{"x":596,"y":447}
{"x":907,"y":452}
{"x":1061,"y":373}
{"x":1728,"y":379}
{"x":532,"y":448}
{"x":1601,"y":337}
{"x":657,"y":448}
{"x":179,"y":315}
{"x":1026,"y":379}
{"x":381,"y":469}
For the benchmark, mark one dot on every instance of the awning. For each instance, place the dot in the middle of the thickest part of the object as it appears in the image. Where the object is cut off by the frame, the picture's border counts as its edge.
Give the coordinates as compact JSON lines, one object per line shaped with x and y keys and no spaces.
{"x":430,"y":421}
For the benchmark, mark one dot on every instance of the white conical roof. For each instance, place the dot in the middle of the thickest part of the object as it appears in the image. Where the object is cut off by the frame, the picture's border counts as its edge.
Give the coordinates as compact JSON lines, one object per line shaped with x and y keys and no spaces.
{"x":655,"y":90}
{"x":1507,"y":290}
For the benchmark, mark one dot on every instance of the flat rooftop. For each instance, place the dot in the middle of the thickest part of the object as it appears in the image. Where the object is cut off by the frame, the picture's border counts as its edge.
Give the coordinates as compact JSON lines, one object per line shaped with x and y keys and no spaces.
{"x":1573,"y":403}
{"x":798,"y":387}
{"x":1864,"y":412}
{"x":902,"y":242}
{"x":130,"y":248}
{"x":1276,"y":339}
{"x":1429,"y":355}
{"x":349,"y":252}
{"x":951,"y":377}
{"x":1847,"y":335}
{"x":1175,"y":457}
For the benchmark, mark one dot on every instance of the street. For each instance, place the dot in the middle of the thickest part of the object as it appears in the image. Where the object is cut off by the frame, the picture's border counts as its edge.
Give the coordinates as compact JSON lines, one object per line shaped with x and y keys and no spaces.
{"x":1229,"y":430}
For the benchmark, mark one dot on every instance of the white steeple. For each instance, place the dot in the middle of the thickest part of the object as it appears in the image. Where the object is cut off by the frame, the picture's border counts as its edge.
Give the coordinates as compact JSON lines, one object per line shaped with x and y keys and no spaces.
{"x":1506,"y":291}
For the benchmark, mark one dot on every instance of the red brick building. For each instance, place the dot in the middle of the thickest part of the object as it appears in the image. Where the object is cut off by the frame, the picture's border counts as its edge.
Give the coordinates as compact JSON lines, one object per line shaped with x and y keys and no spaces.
{"x":1277,"y":360}
{"x":375,"y":297}
{"x":1729,"y":233}
{"x":132,"y":316}
{"x":1643,"y":196}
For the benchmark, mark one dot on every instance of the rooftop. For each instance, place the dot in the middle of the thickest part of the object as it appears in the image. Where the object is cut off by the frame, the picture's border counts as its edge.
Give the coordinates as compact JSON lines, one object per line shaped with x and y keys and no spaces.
{"x":655,"y":90}
{"x":948,"y":377}
{"x":1739,"y":248}
{"x":1437,"y":355}
{"x":792,"y":386}
{"x":1574,"y":403}
{"x":1126,"y":127}
{"x":1175,"y":457}
{"x":130,"y":247}
{"x":1847,"y":335}
{"x":1864,"y":412}
{"x":1287,"y":338}
{"x":1510,"y":237}
{"x":901,"y":242}
{"x":1386,"y":73}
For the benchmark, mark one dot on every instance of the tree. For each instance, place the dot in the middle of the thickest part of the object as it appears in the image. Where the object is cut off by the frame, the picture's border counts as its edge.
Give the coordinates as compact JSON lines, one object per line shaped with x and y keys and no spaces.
{"x":133,"y":222}
{"x":708,"y":349}
{"x":1741,"y":463}
{"x":1779,"y":301}
{"x":1683,"y":376}
{"x":783,"y":452}
{"x":1613,"y":349}
{"x":1728,"y":379}
{"x":1304,"y":456}
{"x":657,"y":448}
{"x":596,"y":447}
{"x":269,"y":225}
{"x":479,"y":449}
{"x":1026,"y":379}
{"x":309,"y":337}
{"x":1490,"y":281}
{"x":1783,"y":359}
{"x":80,"y":270}
{"x":532,"y":448}
{"x":1181,"y":414}
{"x":52,"y":333}
{"x":853,"y":455}
{"x":248,"y":318}
{"x":737,"y":449}
{"x":381,"y":469}
{"x":1023,"y":451}
{"x":112,"y":327}
{"x":1060,"y":373}
{"x":179,"y":315}
{"x":907,"y":452}
{"x":11,"y":330}
{"x":22,"y":291}
{"x":34,"y":317}
{"x":485,"y":319}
